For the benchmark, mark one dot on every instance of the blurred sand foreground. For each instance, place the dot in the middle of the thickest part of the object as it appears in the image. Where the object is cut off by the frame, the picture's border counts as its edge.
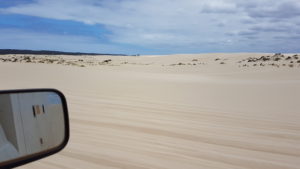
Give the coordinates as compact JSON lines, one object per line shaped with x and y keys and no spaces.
{"x":171,"y":112}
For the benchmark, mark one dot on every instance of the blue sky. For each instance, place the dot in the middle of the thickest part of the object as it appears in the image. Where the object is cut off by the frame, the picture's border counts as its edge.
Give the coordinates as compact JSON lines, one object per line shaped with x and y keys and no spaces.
{"x":151,"y":26}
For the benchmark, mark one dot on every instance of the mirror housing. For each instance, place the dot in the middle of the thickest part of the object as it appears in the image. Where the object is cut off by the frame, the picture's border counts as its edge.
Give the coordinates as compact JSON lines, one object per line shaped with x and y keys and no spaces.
{"x":34,"y":124}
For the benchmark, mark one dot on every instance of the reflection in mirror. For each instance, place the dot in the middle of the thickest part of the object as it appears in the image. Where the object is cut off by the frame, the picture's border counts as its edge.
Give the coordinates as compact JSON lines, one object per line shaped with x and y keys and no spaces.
{"x":30,"y":123}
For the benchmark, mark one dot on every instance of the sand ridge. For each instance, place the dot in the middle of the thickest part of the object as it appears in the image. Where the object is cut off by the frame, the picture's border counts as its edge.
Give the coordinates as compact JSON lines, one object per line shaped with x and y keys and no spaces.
{"x":276,"y":60}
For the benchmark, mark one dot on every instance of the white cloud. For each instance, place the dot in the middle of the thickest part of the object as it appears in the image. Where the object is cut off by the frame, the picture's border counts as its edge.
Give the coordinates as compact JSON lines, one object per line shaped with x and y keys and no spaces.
{"x":175,"y":23}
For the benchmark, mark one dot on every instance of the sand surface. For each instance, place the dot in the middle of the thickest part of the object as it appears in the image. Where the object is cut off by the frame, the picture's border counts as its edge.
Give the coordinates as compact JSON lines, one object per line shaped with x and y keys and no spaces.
{"x":171,"y":112}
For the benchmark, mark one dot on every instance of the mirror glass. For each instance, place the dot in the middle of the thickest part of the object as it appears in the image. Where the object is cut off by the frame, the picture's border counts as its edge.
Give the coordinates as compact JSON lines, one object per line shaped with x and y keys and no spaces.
{"x":30,"y":123}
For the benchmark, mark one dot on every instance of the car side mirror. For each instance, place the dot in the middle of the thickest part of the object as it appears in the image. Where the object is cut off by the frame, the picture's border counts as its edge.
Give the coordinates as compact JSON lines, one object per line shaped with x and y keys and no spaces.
{"x":34,"y":124}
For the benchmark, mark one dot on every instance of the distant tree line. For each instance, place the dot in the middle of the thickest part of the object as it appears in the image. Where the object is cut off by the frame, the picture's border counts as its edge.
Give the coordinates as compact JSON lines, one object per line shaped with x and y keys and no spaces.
{"x":49,"y":52}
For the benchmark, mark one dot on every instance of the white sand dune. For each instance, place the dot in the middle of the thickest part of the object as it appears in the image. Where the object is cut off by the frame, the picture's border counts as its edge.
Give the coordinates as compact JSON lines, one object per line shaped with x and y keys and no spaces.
{"x":138,"y":116}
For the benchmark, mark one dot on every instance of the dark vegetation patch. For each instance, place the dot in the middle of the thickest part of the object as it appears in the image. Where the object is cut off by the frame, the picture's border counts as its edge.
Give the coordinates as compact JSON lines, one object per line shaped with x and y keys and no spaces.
{"x":273,"y":60}
{"x":53,"y":60}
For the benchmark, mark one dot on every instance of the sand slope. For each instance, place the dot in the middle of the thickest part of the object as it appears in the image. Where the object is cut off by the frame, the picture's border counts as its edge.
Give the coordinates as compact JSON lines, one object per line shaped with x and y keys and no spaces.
{"x":156,"y":116}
